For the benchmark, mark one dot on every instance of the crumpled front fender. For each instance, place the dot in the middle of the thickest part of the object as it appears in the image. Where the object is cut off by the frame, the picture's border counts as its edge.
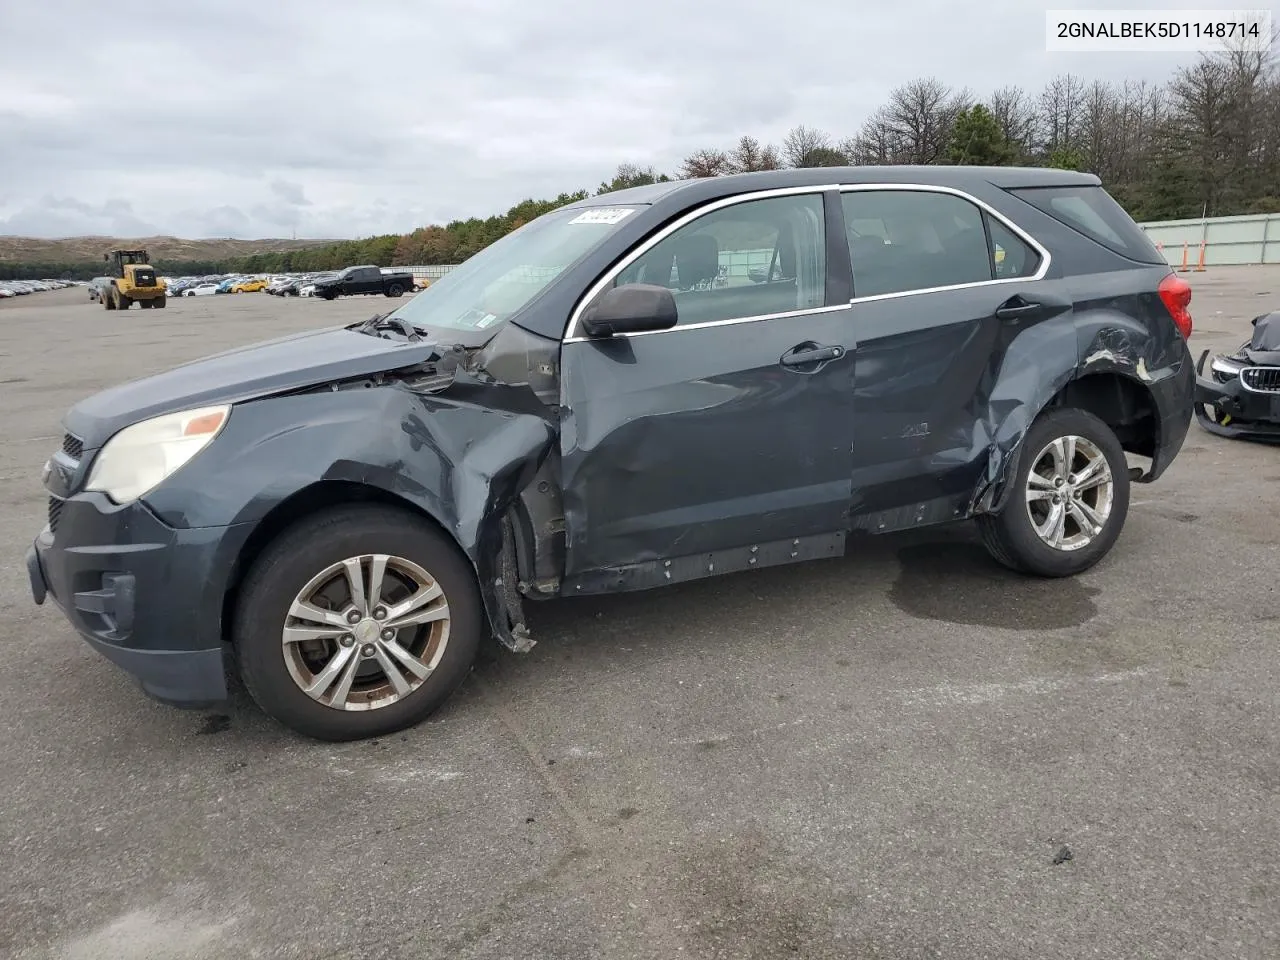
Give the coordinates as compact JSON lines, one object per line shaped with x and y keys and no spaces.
{"x":461,"y":463}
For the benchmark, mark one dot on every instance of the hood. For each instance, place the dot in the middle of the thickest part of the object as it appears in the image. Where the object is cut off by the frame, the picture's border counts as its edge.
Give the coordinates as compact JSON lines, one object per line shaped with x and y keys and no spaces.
{"x":274,"y":366}
{"x":1263,"y":347}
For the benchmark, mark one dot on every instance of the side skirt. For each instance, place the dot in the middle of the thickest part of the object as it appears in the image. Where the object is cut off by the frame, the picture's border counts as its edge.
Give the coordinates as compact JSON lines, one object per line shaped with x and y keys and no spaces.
{"x":658,"y":573}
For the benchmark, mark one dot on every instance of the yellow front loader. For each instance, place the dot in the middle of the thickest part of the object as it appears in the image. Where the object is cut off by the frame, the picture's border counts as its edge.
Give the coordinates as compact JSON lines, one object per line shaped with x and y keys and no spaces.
{"x":132,"y":279}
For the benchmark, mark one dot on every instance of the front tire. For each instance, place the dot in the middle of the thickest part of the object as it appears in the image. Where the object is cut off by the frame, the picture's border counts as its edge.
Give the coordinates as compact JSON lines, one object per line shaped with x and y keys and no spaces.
{"x":1070,"y":498}
{"x":357,"y":622}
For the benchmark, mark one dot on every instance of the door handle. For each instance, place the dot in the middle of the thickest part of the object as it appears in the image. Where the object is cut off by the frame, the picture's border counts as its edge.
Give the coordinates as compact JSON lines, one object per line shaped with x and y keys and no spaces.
{"x":804,"y":354}
{"x":1017,"y":307}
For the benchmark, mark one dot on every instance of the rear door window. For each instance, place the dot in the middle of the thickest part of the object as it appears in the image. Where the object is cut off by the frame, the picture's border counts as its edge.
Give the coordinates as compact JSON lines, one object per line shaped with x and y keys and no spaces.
{"x":906,"y":240}
{"x":1093,"y":212}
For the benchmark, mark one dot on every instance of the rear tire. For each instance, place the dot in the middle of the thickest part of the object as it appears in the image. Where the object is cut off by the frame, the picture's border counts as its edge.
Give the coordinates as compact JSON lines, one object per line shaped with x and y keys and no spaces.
{"x":160,"y":303}
{"x":108,"y":300}
{"x":296,"y":567}
{"x":394,"y":290}
{"x":1044,"y":507}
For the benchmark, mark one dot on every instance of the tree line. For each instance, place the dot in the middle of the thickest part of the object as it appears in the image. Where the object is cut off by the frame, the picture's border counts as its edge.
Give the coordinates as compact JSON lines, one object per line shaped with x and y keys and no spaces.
{"x":1206,"y":142}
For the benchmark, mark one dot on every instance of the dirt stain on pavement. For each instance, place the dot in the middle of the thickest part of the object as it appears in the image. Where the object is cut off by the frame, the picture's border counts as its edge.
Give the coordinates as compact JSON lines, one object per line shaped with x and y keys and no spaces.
{"x":958,"y":582}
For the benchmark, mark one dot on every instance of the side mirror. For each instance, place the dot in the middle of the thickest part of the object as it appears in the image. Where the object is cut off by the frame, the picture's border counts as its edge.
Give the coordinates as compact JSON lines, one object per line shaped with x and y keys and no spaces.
{"x":633,"y":308}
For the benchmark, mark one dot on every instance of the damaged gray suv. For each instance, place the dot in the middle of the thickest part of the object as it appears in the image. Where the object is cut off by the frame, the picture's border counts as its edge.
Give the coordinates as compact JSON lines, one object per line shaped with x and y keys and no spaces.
{"x":653,"y":386}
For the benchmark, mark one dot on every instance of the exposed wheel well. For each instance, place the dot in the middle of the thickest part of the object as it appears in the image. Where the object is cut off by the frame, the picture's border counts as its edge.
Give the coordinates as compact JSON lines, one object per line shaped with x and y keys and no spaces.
{"x":318,"y":496}
{"x":1123,"y":404}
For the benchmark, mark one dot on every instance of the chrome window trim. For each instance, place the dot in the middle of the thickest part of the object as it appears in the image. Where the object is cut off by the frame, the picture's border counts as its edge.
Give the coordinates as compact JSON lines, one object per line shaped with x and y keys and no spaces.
{"x":627,"y":260}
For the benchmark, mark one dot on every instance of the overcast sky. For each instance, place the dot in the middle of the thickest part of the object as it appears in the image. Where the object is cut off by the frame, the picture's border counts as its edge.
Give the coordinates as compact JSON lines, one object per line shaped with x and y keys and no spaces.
{"x":230,"y":118}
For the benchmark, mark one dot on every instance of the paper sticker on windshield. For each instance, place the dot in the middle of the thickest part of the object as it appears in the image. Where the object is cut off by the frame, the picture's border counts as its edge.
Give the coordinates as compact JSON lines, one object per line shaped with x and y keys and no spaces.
{"x":604,"y":215}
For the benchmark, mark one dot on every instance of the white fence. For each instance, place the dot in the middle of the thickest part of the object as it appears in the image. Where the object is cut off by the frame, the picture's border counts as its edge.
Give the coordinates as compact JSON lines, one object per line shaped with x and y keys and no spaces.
{"x":1226,"y":240}
{"x":433,"y":272}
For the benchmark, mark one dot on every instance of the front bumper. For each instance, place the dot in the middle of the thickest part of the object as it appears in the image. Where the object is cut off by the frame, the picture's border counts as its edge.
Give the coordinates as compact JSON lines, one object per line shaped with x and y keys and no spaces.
{"x":1229,"y":410}
{"x":144,"y":595}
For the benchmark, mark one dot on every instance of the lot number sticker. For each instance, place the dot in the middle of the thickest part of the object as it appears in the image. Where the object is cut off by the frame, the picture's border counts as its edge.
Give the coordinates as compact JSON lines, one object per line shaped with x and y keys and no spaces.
{"x":604,"y":215}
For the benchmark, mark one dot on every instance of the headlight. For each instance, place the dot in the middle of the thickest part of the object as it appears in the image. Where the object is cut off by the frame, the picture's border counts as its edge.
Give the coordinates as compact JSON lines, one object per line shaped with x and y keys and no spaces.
{"x":141,"y":456}
{"x":1225,"y":369}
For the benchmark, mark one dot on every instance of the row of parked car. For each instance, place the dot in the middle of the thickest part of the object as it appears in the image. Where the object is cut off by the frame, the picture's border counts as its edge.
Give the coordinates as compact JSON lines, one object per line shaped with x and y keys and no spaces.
{"x":21,"y":288}
{"x":327,"y":284}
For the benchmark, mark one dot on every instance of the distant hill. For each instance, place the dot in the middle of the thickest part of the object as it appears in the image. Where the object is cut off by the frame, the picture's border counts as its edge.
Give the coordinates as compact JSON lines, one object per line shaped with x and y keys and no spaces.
{"x":85,"y":249}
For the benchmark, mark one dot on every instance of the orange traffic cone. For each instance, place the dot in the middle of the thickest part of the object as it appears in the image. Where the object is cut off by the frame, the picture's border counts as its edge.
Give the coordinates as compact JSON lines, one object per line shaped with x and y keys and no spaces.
{"x":1185,"y":250}
{"x":1200,"y":261}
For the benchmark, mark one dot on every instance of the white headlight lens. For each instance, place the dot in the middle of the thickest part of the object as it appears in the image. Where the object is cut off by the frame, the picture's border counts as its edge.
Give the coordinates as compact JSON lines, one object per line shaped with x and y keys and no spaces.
{"x":1228,"y":368}
{"x":141,"y":456}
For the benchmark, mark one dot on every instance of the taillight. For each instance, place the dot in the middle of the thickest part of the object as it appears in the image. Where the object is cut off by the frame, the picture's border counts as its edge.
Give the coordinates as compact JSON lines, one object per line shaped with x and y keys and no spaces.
{"x":1176,"y":294}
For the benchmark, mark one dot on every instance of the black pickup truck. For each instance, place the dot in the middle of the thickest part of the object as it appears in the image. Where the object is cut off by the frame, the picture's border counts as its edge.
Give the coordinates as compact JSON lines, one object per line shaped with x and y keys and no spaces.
{"x":364,"y":280}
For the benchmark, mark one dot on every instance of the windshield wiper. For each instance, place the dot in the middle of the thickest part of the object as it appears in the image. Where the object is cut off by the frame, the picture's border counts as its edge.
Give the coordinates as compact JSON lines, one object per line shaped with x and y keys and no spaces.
{"x":380,"y":322}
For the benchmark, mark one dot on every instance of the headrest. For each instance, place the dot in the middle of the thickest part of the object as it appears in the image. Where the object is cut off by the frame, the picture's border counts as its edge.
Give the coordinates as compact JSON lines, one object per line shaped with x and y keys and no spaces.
{"x":655,"y":266}
{"x":697,"y":258}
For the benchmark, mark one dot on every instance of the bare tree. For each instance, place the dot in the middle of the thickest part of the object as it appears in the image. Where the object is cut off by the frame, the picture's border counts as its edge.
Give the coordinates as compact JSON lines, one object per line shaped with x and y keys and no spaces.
{"x":1139,"y":111}
{"x":749,"y":156}
{"x":1015,"y":111}
{"x":1100,"y":129}
{"x":1060,"y":106}
{"x":800,"y":144}
{"x":877,"y":143}
{"x":919,"y":118}
{"x":706,"y":163}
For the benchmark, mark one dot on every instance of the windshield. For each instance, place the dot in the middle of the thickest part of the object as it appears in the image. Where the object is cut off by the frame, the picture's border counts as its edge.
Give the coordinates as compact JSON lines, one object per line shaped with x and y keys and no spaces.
{"x":493,"y":284}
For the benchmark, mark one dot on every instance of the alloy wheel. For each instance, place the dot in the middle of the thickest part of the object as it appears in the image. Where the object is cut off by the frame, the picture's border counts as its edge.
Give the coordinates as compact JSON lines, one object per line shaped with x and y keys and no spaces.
{"x":1069,"y":493}
{"x":366,"y":632}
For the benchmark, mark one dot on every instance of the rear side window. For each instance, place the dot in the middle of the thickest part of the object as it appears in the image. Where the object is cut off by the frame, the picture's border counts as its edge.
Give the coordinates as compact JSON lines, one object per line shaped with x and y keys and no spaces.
{"x":1011,"y":255}
{"x":1093,"y":212}
{"x":905,"y":240}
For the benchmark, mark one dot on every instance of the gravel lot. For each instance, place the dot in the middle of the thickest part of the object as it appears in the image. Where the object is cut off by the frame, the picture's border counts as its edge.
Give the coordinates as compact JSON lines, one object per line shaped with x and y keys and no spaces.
{"x":875,"y":757}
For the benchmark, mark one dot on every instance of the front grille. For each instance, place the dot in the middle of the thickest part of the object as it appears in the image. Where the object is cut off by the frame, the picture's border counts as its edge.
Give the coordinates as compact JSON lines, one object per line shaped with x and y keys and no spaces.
{"x":55,"y":511}
{"x":1261,"y":379}
{"x":144,"y":278}
{"x":72,"y":446}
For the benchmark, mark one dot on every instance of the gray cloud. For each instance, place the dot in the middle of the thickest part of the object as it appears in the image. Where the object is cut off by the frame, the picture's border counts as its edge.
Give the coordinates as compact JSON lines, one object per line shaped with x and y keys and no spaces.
{"x":290,"y":193}
{"x":234,"y":118}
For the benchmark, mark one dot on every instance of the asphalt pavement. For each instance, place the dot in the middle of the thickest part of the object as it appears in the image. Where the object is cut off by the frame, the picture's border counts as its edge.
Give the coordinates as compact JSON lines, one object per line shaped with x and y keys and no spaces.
{"x":905,"y":753}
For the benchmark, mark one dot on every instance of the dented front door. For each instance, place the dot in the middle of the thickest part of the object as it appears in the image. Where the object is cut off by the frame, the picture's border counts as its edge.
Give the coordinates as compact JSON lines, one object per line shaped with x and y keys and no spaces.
{"x":685,"y":443}
{"x":724,"y":442}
